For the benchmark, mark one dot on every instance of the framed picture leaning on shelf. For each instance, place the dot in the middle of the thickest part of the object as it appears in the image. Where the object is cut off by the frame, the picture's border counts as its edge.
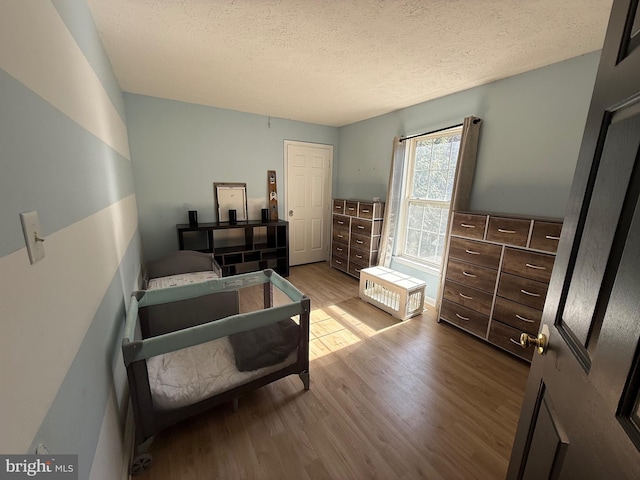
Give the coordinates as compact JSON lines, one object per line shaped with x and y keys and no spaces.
{"x":230,"y":196}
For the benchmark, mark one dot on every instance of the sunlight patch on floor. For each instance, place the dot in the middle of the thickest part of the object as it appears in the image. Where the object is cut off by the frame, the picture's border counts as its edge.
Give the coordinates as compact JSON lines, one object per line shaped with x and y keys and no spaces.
{"x":333,"y":328}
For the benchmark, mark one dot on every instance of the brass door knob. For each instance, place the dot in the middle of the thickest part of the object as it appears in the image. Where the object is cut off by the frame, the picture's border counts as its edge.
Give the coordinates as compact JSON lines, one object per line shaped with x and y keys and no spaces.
{"x":540,"y":342}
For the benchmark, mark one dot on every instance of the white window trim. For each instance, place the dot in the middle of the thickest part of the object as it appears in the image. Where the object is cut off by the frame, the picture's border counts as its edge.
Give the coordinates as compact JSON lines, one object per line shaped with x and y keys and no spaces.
{"x":402,"y":213}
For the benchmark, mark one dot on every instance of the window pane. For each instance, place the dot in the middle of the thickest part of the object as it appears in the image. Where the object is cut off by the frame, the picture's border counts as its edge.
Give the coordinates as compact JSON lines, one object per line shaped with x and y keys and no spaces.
{"x":412,"y":242}
{"x":431,"y":179}
{"x":420,"y":184}
{"x":426,"y":234}
{"x":415,"y":216}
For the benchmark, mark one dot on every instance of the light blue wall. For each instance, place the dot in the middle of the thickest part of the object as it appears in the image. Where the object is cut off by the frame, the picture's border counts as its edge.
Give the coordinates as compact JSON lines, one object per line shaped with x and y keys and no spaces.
{"x":180,"y":149}
{"x":56,"y":165}
{"x":529,"y":142}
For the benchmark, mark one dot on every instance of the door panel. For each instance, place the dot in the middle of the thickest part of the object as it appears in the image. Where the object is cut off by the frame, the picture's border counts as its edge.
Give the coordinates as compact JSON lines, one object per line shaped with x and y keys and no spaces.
{"x":549,"y":443}
{"x":611,"y":183}
{"x":579,"y":415}
{"x":308,"y":200}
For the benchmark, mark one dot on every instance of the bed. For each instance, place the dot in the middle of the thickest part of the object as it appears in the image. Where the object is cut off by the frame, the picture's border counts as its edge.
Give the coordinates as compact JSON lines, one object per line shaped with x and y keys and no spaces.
{"x":186,"y":347}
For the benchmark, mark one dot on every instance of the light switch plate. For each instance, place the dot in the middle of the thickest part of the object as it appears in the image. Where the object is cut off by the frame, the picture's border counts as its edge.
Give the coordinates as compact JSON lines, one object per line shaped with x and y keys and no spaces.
{"x":31,"y":230}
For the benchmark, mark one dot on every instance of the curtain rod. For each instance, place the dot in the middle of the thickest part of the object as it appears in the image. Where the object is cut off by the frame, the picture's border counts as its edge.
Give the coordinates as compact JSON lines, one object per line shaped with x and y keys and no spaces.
{"x":475,"y":120}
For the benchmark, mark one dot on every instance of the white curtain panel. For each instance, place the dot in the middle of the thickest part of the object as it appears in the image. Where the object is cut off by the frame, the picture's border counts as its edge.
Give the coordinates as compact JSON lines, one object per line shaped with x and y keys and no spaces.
{"x":392,"y":207}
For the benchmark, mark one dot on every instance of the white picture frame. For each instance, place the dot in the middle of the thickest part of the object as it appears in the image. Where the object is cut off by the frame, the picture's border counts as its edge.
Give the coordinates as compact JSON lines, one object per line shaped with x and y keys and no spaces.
{"x":230,"y":196}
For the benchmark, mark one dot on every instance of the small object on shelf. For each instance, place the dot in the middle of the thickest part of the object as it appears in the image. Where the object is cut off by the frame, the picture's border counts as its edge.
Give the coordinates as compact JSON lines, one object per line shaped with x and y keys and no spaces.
{"x":273,"y":194}
{"x":265,"y":215}
{"x":193,"y":218}
{"x":233,"y":218}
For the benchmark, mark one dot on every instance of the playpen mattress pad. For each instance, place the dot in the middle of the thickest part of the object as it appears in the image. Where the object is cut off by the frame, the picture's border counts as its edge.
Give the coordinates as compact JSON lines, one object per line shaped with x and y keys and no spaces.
{"x":189,"y":375}
{"x":181,"y":279}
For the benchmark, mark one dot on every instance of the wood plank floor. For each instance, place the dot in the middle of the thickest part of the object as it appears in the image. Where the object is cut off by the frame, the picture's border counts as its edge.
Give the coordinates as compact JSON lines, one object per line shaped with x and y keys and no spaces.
{"x":388,"y":400}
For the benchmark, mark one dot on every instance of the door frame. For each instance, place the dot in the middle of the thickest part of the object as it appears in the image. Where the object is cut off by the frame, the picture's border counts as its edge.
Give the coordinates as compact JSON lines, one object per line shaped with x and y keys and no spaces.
{"x":327,"y":208}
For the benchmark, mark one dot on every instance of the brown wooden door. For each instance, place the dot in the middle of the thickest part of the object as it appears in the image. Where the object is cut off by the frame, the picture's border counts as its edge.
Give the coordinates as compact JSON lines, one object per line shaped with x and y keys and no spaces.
{"x":580,"y":417}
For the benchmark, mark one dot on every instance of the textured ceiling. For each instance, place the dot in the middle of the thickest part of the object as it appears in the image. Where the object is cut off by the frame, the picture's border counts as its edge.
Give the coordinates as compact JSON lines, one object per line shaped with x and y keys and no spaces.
{"x":336,"y":62}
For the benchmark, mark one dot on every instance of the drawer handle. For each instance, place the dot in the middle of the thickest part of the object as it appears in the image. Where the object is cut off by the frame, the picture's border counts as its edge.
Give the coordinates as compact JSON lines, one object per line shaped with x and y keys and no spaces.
{"x":502,"y":230}
{"x":358,"y":256}
{"x":358,"y":270}
{"x":465,"y":296}
{"x":466,"y":225}
{"x":338,"y":249}
{"x":338,"y":262}
{"x":340,"y":222}
{"x":359,"y":241}
{"x":514,"y":341}
{"x":360,"y":227}
{"x":551,"y":237}
{"x":365,"y":211}
{"x":468,"y":274}
{"x":530,"y":294}
{"x":466,"y":319}
{"x":338,"y":207}
{"x":523,"y":319}
{"x":352,"y":208}
{"x":340,"y":236}
{"x":535,"y":267}
{"x":471,"y":252}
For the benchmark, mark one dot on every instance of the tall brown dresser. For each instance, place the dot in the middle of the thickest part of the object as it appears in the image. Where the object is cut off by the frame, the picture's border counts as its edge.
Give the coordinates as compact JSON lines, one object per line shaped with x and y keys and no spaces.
{"x":355,"y":236}
{"x":497,"y":275}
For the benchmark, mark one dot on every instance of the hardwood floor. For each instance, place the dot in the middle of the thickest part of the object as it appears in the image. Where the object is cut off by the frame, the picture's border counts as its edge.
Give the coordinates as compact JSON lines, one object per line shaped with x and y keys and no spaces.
{"x":388,"y":400}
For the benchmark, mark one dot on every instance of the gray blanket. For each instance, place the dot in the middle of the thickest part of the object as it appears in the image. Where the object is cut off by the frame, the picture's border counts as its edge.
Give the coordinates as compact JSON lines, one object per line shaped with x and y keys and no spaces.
{"x":264,"y":346}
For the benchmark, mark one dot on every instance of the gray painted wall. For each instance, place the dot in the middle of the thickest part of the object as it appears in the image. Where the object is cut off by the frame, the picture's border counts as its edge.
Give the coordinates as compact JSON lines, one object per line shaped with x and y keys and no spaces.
{"x":529,"y":142}
{"x":180,"y":149}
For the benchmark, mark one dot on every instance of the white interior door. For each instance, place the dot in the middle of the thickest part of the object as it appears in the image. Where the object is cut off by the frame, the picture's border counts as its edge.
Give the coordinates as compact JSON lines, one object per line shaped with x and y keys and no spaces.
{"x":308,"y":171}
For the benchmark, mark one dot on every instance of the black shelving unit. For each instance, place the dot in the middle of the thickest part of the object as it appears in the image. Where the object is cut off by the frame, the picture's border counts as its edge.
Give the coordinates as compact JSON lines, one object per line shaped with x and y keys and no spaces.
{"x":247,"y":253}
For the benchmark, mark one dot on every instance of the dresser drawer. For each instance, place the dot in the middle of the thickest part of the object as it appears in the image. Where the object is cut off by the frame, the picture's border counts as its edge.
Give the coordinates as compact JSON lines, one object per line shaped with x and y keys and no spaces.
{"x":545,"y":236}
{"x":365,"y":243}
{"x":340,"y":250}
{"x":338,"y":206}
{"x":354,"y":269}
{"x":370,"y":210}
{"x":479,"y":253}
{"x":340,"y":235}
{"x":508,"y":338}
{"x":472,"y":275}
{"x":339,"y":263}
{"x":468,"y":225}
{"x":351,"y":208}
{"x":518,"y":316}
{"x":464,"y":317}
{"x":362,"y":226}
{"x":341,"y":222}
{"x":512,"y":231}
{"x":362,"y":257}
{"x":469,"y":297}
{"x":522,"y":290}
{"x":536,"y":266}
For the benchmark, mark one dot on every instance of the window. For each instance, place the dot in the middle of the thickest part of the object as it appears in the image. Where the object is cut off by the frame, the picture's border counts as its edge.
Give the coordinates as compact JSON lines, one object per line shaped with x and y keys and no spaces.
{"x":429,"y":183}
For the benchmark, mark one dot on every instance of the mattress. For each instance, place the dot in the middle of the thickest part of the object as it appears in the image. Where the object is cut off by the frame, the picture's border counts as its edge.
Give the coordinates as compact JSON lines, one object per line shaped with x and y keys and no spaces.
{"x":181,"y":279}
{"x":189,"y":375}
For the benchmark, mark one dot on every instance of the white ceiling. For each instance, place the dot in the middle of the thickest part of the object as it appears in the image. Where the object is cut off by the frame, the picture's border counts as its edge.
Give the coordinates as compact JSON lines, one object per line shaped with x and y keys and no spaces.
{"x":335,"y":62}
